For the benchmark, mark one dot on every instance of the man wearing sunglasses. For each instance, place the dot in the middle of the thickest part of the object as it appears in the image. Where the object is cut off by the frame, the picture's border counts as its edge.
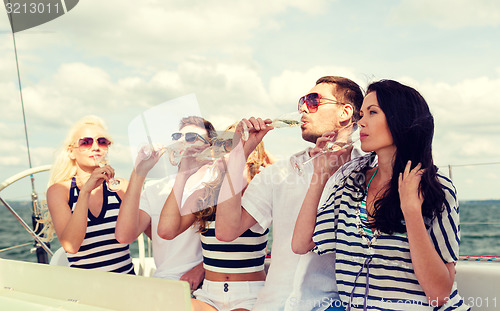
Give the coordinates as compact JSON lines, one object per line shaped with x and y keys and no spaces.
{"x":294,"y":282}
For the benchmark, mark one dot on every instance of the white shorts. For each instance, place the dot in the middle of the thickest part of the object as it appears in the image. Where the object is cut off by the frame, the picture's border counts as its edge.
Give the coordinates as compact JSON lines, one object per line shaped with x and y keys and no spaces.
{"x":229,"y":295}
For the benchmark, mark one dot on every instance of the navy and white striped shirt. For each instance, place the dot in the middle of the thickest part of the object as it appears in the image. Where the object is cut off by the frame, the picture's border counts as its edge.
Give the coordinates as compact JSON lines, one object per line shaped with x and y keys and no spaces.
{"x":100,"y":250}
{"x":243,"y":255}
{"x":386,"y":266}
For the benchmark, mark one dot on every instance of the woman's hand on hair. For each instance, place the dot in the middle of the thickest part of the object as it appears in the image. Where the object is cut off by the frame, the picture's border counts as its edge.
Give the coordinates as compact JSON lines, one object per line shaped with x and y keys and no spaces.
{"x":408,"y":186}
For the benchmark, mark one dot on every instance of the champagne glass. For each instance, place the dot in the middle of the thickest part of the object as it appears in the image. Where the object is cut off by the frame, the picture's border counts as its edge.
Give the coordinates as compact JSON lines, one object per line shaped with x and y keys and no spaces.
{"x":220,"y":146}
{"x":102,"y":160}
{"x":174,"y":151}
{"x":290,"y":119}
{"x":344,"y":138}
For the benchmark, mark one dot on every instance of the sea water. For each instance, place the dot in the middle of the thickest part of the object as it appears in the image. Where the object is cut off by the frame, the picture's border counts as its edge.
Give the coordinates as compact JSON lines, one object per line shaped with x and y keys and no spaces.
{"x":12,"y":234}
{"x":480,"y":231}
{"x":480,"y":228}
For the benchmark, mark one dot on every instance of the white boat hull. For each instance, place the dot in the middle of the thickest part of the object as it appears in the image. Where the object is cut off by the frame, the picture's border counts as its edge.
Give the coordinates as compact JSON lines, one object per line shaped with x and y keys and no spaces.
{"x":32,"y":286}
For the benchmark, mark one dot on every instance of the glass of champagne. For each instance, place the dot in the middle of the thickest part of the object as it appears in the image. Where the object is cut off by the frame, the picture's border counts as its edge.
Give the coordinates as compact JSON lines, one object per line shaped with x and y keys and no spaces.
{"x":290,"y":119}
{"x":220,"y":146}
{"x":174,"y":151}
{"x":102,"y":160}
{"x":344,"y":138}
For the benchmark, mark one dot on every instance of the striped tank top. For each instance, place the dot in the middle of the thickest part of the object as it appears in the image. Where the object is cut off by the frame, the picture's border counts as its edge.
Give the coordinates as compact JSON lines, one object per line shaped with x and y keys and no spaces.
{"x":377,"y":274}
{"x":243,"y":255}
{"x":100,"y":250}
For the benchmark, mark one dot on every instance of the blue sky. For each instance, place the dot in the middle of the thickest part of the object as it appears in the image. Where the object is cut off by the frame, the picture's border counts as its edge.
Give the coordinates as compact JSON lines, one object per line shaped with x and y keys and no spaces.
{"x":241,"y":58}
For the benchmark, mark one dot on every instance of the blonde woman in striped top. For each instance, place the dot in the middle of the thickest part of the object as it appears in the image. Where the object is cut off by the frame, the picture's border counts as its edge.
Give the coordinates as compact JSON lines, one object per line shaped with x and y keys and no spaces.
{"x":83,"y":209}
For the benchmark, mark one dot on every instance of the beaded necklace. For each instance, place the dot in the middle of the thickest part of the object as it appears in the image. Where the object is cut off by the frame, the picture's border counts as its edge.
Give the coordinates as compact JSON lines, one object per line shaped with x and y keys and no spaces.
{"x":359,"y":222}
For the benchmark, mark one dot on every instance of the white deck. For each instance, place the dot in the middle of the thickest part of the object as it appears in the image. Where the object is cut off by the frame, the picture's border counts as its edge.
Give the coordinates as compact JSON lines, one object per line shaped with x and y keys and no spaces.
{"x":479,"y":284}
{"x":31,"y":286}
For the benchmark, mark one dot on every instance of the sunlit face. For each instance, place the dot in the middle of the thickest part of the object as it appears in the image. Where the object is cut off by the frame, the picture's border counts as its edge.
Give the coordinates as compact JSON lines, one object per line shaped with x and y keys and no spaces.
{"x":325,"y":119}
{"x":85,"y":156}
{"x":375,"y":134}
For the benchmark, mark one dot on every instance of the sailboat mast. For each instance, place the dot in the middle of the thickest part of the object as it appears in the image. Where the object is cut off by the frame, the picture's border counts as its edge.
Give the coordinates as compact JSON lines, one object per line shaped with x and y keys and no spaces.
{"x":36,"y":215}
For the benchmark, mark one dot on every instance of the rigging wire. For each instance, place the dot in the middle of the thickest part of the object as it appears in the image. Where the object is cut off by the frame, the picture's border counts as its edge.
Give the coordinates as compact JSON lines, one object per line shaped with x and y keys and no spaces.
{"x":14,"y":247}
{"x":42,"y":257}
{"x":35,"y":206}
{"x":22,"y":101}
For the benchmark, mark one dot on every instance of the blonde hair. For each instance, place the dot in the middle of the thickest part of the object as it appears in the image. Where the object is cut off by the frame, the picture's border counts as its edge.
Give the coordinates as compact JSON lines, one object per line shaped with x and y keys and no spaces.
{"x":207,"y":204}
{"x":48,"y":232}
{"x":64,"y":167}
{"x":257,"y":159}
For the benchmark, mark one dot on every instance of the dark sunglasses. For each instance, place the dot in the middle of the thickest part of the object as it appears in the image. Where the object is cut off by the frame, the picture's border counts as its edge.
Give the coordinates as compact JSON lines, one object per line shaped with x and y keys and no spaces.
{"x":313,"y":100}
{"x":227,"y":144}
{"x":190,"y":137}
{"x":86,"y":143}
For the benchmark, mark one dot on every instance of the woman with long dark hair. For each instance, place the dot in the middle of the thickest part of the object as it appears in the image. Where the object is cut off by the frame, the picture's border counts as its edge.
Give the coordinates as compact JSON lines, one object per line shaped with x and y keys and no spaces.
{"x":393,"y":219}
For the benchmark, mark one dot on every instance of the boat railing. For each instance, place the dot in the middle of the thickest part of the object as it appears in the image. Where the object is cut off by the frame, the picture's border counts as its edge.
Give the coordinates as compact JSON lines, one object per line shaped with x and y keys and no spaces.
{"x":451,"y":166}
{"x":39,"y":245}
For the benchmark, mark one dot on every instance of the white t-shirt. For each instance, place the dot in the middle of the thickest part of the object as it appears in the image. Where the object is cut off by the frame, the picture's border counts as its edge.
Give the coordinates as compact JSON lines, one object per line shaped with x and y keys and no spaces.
{"x":175,"y":257}
{"x":294,"y":282}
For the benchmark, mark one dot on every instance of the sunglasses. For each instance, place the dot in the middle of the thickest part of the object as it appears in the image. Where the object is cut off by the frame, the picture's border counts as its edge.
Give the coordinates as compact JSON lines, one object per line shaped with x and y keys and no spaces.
{"x":190,"y":137}
{"x":226,"y":144}
{"x":313,"y":100}
{"x":86,"y":143}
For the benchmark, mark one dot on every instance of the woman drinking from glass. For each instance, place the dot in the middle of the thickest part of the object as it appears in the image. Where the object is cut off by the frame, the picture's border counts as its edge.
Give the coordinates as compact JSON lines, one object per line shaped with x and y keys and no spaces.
{"x":82,"y":208}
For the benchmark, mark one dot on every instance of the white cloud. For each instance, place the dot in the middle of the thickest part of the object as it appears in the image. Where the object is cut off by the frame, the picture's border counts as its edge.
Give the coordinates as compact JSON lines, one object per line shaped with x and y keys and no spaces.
{"x":288,"y":86}
{"x":466,"y":119}
{"x":226,"y":91}
{"x":448,"y":14}
{"x":150,"y":32}
{"x":117,"y":58}
{"x":10,"y":100}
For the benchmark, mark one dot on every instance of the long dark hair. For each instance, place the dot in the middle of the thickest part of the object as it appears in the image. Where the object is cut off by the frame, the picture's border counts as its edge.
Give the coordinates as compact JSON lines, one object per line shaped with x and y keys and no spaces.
{"x":412,"y":128}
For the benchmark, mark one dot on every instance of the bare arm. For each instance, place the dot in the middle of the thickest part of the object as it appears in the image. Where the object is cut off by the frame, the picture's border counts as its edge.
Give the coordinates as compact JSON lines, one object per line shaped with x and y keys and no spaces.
{"x":435,"y":276}
{"x":71,"y":227}
{"x":231,"y":218}
{"x":171,"y":222}
{"x":306,"y":220}
{"x":131,"y":220}
{"x":324,"y":167}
